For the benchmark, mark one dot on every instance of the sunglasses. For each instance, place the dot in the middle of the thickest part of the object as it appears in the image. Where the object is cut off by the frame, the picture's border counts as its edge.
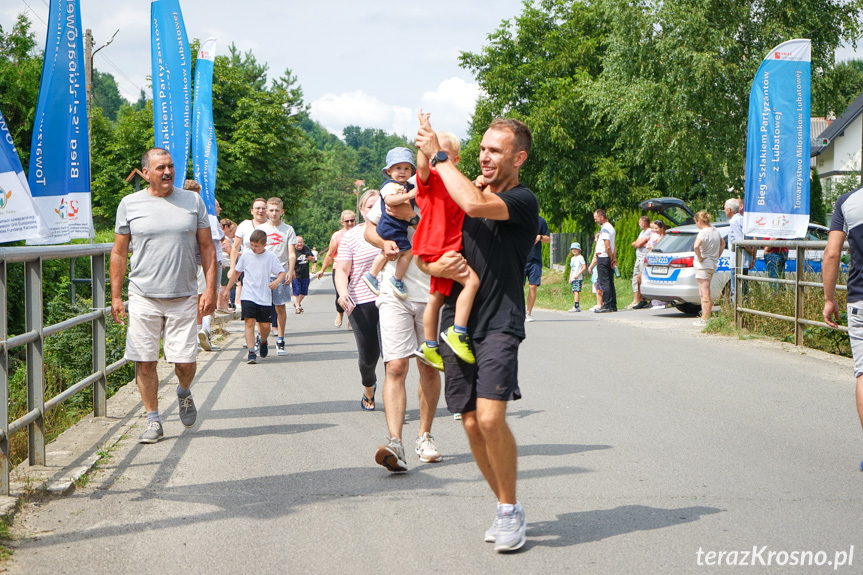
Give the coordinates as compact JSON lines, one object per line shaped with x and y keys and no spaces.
{"x":349,"y":221}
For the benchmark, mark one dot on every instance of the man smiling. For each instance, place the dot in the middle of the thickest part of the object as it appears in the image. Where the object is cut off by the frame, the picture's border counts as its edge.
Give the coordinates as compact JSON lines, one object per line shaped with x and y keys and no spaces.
{"x":162,"y":225}
{"x":499,"y":230}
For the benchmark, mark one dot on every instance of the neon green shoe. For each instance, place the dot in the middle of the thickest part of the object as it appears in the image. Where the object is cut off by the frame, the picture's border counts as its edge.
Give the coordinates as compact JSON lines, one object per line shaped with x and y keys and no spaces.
{"x":429,"y":356}
{"x":459,"y":344}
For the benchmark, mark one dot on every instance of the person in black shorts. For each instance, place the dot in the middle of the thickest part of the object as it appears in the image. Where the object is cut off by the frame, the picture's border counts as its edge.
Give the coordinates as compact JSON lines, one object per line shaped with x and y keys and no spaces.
{"x":499,"y":230}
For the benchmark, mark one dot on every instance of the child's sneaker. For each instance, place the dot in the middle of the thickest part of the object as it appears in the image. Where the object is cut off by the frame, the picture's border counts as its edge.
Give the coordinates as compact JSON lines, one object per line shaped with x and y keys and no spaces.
{"x":372,"y":282}
{"x":429,"y":356}
{"x":399,"y":288}
{"x":253,"y":358}
{"x":458,"y":342}
{"x":265,"y":348}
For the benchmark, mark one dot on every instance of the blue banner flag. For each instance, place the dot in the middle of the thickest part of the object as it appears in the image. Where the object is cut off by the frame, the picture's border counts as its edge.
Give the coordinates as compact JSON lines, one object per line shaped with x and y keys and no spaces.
{"x":777,"y":148}
{"x":204,"y":151}
{"x":171,"y":62}
{"x":59,"y":175}
{"x":19,"y":217}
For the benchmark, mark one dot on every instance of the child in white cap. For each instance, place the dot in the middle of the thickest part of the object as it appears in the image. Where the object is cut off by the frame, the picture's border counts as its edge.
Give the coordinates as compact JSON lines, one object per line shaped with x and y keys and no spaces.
{"x":576,"y":271}
{"x":395,"y":191}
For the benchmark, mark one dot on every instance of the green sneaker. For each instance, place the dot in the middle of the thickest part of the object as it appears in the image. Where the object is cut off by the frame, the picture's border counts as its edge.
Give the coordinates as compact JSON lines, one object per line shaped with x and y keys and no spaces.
{"x":429,"y":356}
{"x":459,"y":344}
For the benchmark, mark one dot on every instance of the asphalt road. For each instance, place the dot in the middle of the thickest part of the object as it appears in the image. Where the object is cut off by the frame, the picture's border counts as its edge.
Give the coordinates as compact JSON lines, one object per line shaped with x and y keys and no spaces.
{"x":642,"y":443}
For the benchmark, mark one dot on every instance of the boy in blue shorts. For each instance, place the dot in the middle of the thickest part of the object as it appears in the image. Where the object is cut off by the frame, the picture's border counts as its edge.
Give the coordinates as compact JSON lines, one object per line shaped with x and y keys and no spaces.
{"x":576,"y":274}
{"x":257,"y":265}
{"x":395,"y":191}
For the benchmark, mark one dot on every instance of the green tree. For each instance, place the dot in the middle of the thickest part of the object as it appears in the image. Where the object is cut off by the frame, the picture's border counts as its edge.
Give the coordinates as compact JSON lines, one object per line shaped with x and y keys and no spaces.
{"x":676,"y":79}
{"x":539,"y":69}
{"x":20,"y":70}
{"x":106,"y":95}
{"x":816,"y":199}
{"x":263,"y":150}
{"x":838,"y":88}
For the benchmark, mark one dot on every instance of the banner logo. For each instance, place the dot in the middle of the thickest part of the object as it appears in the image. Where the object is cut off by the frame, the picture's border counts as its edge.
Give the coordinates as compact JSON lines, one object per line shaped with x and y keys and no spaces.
{"x":4,"y":198}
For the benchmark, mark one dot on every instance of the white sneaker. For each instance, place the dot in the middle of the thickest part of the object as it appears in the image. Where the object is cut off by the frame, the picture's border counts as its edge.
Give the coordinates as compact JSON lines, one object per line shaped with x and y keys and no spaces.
{"x":510,"y":532}
{"x":574,"y":309}
{"x":426,"y":449}
{"x":594,"y":308}
{"x":528,"y":318}
{"x":204,"y":340}
{"x":699,"y":323}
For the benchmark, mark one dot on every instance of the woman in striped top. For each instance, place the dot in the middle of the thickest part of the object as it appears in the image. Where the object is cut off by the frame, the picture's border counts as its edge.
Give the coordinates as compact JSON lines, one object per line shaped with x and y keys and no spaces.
{"x":354,"y":259}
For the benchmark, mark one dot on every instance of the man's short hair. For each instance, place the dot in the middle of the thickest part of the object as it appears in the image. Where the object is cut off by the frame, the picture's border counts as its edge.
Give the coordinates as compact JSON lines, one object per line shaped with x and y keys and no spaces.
{"x":600,"y":212}
{"x":192,"y":186}
{"x":523,"y":138}
{"x":258,"y":237}
{"x":732,"y":204}
{"x":276,"y":202}
{"x":644,"y":219}
{"x":256,"y":200}
{"x":145,"y":159}
{"x":346,"y":215}
{"x":450,"y":139}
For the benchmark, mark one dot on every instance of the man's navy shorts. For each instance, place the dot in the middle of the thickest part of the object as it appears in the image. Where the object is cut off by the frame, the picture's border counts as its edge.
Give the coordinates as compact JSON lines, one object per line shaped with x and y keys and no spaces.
{"x":533,"y":272}
{"x":300,"y":286}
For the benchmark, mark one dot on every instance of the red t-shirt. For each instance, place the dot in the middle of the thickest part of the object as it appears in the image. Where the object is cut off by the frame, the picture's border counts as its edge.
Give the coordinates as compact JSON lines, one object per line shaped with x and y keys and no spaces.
{"x":439,"y":230}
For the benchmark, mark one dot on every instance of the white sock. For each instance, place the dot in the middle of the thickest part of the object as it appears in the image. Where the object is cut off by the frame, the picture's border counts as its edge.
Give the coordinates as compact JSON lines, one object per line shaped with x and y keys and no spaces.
{"x":205,"y":323}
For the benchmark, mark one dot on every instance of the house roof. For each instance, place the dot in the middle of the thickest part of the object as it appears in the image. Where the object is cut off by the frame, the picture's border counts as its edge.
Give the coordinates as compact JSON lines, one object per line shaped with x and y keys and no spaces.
{"x":838,"y":127}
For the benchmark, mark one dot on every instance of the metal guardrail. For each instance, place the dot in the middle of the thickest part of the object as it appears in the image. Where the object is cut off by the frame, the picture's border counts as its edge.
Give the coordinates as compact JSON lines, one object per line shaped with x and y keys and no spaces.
{"x":800,"y":247}
{"x":33,"y":338}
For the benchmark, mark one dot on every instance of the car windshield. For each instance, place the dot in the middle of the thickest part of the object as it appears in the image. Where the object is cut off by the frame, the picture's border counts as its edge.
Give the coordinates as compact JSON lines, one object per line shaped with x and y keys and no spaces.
{"x":673,"y":242}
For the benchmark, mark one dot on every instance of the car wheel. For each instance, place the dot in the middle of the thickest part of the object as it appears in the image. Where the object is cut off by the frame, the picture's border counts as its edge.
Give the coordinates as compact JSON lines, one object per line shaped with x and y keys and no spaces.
{"x":688,"y":308}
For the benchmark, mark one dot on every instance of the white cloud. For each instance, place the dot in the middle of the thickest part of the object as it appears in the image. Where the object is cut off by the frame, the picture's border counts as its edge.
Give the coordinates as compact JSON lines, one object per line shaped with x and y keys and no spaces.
{"x":335,"y":111}
{"x":451,"y":105}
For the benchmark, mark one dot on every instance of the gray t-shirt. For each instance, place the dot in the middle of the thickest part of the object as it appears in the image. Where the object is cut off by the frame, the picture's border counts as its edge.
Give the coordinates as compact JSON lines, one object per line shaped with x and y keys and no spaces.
{"x":163,"y":241}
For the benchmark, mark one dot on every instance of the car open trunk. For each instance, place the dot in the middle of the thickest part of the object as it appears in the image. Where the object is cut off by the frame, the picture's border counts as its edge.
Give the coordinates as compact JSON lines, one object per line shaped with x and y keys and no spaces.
{"x":675,"y":210}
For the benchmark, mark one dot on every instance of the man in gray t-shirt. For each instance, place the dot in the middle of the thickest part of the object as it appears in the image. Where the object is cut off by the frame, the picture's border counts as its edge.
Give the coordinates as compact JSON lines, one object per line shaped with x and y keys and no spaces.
{"x":162,"y":226}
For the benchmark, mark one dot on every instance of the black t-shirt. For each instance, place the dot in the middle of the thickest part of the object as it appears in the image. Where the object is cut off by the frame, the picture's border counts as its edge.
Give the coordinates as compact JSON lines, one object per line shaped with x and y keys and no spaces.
{"x":497,"y":251}
{"x":302,"y":266}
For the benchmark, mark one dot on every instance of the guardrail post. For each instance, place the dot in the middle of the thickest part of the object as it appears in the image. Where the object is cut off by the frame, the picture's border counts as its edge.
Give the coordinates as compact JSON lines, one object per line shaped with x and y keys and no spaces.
{"x":798,"y":295}
{"x":4,"y":385}
{"x":738,"y":292}
{"x":100,"y":388}
{"x":35,"y":374}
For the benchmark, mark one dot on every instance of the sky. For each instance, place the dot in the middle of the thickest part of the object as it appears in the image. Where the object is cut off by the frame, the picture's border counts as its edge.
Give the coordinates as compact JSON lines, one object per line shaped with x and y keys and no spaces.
{"x":372,"y":64}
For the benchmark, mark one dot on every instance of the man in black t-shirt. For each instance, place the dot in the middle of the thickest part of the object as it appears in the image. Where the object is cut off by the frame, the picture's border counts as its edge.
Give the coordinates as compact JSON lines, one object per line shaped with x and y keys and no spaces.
{"x":300,"y":285}
{"x":499,"y":230}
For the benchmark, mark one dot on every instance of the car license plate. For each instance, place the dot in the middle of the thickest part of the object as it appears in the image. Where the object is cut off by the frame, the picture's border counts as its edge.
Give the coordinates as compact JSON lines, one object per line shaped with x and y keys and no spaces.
{"x":659,"y":270}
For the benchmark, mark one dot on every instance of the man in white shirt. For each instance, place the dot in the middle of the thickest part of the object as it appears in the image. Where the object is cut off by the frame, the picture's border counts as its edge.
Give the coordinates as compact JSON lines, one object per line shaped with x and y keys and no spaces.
{"x":606,"y":261}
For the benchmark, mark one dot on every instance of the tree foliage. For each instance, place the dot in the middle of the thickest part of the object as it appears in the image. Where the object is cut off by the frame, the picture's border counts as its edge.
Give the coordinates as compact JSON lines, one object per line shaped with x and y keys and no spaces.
{"x":20,"y":70}
{"x":632,"y":99}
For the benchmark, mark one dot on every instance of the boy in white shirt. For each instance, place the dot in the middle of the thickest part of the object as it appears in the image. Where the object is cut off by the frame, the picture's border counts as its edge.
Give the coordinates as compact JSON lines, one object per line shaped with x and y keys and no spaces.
{"x":281,"y":240}
{"x":257,"y":265}
{"x":576,"y":272}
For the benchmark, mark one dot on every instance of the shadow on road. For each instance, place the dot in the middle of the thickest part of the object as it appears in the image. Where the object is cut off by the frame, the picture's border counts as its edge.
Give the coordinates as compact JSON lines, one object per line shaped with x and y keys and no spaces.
{"x":588,"y":526}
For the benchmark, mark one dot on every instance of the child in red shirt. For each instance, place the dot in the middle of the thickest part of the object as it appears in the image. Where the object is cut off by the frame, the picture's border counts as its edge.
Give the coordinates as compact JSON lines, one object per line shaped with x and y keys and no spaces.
{"x":438,"y":232}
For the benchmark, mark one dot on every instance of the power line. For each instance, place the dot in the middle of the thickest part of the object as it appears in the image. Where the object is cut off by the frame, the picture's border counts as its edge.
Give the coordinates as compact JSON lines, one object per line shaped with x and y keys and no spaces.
{"x":120,"y":72}
{"x":34,"y":12}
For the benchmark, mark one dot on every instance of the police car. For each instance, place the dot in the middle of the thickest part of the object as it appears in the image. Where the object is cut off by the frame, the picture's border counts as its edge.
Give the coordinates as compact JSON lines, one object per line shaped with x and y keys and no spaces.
{"x":669,"y":275}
